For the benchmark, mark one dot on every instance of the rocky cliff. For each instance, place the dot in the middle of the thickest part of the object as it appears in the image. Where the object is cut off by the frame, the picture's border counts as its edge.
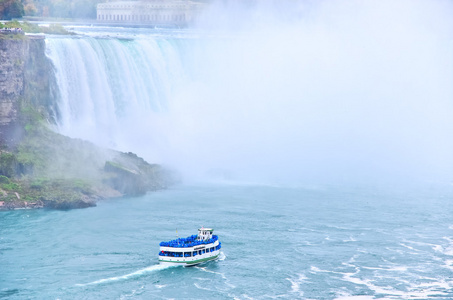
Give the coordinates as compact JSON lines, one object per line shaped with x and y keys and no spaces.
{"x":26,"y":78}
{"x":41,"y":168}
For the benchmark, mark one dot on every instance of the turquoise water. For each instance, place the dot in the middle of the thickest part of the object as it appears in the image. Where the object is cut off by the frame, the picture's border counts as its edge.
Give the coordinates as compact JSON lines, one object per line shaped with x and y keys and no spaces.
{"x":278,"y":243}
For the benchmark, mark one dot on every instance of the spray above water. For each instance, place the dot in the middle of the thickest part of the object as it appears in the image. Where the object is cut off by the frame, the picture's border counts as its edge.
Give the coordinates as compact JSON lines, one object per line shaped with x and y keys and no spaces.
{"x":295,"y":91}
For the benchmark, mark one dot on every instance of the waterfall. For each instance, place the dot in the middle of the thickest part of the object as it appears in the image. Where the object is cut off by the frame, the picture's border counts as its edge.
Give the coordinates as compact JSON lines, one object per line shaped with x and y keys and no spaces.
{"x":108,"y":85}
{"x":325,"y":98}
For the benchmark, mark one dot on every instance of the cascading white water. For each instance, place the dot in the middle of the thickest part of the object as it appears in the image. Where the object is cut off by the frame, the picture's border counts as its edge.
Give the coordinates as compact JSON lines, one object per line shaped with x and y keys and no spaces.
{"x":364,"y":94}
{"x":107,"y":83}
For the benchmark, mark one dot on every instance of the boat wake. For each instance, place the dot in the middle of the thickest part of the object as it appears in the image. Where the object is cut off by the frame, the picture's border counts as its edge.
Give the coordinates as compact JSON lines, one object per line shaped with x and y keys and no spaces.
{"x":135,"y":274}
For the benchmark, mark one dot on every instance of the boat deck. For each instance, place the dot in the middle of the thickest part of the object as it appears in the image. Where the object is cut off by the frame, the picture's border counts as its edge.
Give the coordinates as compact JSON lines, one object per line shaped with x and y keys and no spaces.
{"x":191,"y":250}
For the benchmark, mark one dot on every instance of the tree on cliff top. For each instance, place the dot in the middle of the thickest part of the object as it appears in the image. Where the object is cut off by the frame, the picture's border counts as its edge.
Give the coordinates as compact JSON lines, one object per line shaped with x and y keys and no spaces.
{"x":83,"y":9}
{"x":11,"y":9}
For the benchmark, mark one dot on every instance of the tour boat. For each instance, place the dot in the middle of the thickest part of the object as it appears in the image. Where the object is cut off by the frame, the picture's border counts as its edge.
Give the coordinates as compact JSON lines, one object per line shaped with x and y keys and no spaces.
{"x":192,"y":250}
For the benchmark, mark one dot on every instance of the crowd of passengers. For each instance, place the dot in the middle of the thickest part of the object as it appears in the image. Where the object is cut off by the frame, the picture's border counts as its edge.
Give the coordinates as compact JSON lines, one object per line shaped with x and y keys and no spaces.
{"x":12,"y":30}
{"x":188,"y":242}
{"x":189,"y":254}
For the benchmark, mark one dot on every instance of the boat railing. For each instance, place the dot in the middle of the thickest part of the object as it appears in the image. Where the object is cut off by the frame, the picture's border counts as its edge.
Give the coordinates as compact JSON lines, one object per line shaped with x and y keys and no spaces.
{"x":190,"y":253}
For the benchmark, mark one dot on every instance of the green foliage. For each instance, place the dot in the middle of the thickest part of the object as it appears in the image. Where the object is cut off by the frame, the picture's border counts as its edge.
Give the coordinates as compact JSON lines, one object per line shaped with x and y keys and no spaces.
{"x":30,"y":115}
{"x":18,"y":63}
{"x":30,"y":8}
{"x":60,"y":186}
{"x":81,"y":185}
{"x":34,"y":28}
{"x":11,"y":186}
{"x":28,"y":127}
{"x":7,"y":164}
{"x":79,"y":9}
{"x":59,"y":172}
{"x":56,"y":29}
{"x":57,"y":193}
{"x":10,"y":9}
{"x":27,"y":160}
{"x":31,"y":153}
{"x":4,"y":180}
{"x":114,"y":166}
{"x":38,"y":183}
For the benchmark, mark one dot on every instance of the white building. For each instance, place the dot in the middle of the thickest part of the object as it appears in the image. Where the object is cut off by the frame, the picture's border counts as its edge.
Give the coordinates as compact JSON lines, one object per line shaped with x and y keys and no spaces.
{"x":157,"y":12}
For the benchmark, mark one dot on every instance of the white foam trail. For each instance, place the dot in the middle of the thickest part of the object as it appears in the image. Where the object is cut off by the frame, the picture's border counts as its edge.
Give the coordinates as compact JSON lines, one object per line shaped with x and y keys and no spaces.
{"x":227,"y":282}
{"x":132,"y":293}
{"x":198,"y":286}
{"x":351,"y":239}
{"x":138,"y":273}
{"x":449,"y":248}
{"x":409,"y":247}
{"x":445,"y":250}
{"x":159,"y":286}
{"x":356,"y":298}
{"x":315,"y":270}
{"x":295,"y":284}
{"x":420,"y":291}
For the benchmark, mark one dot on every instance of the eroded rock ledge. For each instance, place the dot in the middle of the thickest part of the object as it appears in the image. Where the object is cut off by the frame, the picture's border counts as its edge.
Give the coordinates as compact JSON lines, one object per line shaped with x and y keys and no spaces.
{"x":49,"y":170}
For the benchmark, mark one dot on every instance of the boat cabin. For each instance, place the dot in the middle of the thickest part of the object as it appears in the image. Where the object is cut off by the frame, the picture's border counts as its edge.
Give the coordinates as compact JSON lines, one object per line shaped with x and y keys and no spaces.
{"x":204,"y":234}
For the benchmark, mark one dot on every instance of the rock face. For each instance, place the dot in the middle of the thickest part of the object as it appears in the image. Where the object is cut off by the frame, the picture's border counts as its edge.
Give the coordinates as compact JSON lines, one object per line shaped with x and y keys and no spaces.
{"x":25,"y":78}
{"x":41,"y":168}
{"x":12,"y":61}
{"x":132,"y":175}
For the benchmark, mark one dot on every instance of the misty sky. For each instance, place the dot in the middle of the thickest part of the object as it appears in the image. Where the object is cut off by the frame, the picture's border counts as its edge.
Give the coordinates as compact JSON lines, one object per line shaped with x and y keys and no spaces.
{"x":326,"y":90}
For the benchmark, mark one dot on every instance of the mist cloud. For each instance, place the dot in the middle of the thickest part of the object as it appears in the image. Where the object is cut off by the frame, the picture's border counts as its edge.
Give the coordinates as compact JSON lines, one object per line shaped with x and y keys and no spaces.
{"x":293,"y":92}
{"x":319,"y":91}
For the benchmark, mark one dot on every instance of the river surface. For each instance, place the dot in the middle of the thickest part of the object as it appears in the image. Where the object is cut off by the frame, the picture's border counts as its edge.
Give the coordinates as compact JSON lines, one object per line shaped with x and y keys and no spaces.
{"x":277,"y":243}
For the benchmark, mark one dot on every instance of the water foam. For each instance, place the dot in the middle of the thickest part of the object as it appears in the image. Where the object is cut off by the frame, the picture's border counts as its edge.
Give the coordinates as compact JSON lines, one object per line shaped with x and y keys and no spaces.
{"x":295,"y":284}
{"x":226,"y":280}
{"x":136,"y":274}
{"x":416,"y":286}
{"x":350,"y":297}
